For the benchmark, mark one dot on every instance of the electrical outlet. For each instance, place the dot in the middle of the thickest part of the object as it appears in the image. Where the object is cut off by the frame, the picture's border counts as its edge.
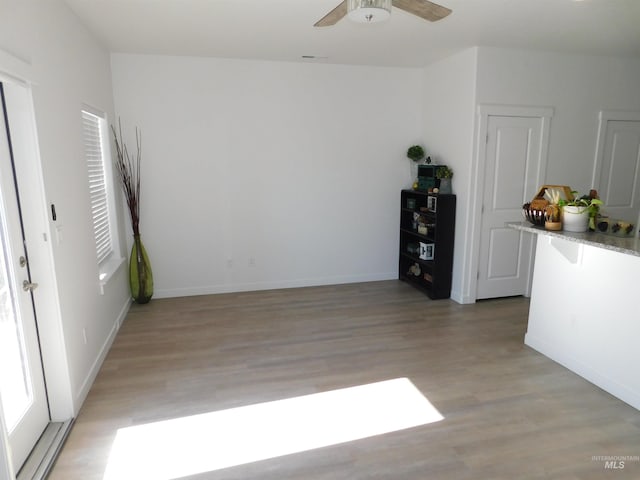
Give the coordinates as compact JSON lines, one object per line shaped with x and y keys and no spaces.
{"x":252,"y":262}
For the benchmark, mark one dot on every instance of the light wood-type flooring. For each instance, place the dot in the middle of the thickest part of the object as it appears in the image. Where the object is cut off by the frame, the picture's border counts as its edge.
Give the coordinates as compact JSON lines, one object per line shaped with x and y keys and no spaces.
{"x":509,"y":412}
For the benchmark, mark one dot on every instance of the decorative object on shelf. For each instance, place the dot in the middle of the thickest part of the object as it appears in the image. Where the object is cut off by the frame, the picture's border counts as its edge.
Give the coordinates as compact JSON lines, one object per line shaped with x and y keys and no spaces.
{"x":413,"y":248}
{"x":415,"y":270}
{"x":552,"y":211}
{"x":426,"y":177}
{"x":552,"y":217}
{"x":426,"y":251}
{"x":445,"y":174}
{"x":579,"y":214}
{"x":415,"y":153}
{"x":538,"y":212}
{"x":619,"y":228}
{"x":128,"y":168}
{"x":432,"y":203}
{"x":533,"y":215}
{"x":555,"y":193}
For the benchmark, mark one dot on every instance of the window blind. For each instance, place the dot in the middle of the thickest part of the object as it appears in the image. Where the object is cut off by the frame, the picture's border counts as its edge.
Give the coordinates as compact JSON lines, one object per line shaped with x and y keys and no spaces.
{"x":94,"y":153}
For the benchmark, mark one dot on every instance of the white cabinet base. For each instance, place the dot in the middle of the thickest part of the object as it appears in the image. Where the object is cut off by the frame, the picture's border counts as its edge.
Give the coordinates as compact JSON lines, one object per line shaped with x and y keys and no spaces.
{"x":585,"y":313}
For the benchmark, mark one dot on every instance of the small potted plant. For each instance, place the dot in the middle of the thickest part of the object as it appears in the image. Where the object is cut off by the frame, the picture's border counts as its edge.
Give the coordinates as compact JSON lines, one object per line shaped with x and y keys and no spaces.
{"x":579,"y":214}
{"x":444,"y":173}
{"x":415,"y":153}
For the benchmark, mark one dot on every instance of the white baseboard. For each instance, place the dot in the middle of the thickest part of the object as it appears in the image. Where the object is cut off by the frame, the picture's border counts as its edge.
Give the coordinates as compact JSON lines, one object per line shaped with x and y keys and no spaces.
{"x":587,"y":372}
{"x":95,"y":367}
{"x":460,"y":298}
{"x":249,"y":287}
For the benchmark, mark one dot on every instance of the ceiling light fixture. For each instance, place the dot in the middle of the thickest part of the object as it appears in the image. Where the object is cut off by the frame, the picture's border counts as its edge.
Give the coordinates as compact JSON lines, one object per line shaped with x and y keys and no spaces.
{"x":368,"y":11}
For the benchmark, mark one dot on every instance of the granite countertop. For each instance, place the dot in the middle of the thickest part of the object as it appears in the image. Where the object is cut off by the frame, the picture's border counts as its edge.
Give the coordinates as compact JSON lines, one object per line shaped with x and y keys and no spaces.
{"x":627,"y":245}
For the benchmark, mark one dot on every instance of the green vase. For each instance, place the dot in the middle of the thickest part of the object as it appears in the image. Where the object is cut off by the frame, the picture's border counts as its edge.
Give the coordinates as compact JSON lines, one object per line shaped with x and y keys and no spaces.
{"x":140,"y":274}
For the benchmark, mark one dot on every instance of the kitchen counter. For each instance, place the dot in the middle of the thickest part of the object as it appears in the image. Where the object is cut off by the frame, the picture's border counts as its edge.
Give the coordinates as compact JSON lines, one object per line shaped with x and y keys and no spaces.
{"x":585,"y":299}
{"x":626,"y":245}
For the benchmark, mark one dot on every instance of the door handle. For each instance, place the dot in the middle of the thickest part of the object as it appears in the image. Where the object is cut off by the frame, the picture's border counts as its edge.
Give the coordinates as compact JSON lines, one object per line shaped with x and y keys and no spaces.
{"x":28,"y":286}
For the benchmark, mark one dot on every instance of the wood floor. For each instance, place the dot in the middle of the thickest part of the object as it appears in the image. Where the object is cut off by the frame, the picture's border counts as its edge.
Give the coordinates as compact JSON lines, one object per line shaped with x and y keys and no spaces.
{"x":509,"y":412}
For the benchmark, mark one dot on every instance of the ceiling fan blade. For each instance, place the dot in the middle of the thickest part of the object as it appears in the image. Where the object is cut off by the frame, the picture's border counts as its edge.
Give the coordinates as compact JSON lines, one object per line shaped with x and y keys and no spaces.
{"x":423,"y":8}
{"x":333,"y":16}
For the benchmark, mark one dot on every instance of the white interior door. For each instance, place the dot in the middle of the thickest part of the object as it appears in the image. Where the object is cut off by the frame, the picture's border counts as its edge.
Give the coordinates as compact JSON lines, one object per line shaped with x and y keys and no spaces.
{"x":515,"y":157}
{"x":618,"y":168}
{"x":24,"y":400}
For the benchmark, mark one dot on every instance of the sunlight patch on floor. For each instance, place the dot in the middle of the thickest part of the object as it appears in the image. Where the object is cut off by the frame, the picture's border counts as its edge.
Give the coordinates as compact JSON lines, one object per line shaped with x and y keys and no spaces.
{"x":201,"y":443}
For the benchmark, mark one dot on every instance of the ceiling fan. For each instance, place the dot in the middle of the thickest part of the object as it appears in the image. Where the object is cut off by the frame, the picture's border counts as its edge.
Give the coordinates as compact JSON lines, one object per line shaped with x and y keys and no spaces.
{"x":369,"y":11}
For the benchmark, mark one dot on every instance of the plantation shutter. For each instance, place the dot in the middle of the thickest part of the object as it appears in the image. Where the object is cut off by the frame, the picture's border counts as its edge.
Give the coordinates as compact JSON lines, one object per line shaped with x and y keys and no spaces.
{"x":92,"y":129}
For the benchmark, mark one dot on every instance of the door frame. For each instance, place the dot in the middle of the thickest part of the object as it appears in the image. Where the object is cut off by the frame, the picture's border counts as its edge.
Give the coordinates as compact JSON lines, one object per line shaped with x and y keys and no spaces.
{"x":19,"y":82}
{"x":476,"y":184}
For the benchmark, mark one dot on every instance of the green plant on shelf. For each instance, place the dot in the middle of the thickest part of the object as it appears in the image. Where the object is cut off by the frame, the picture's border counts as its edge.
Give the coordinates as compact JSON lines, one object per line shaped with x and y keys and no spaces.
{"x":415,"y":153}
{"x":444,"y":172}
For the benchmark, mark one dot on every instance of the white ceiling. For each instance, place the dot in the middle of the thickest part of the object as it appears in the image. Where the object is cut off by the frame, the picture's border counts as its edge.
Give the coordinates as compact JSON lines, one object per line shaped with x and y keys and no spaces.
{"x":283,"y":29}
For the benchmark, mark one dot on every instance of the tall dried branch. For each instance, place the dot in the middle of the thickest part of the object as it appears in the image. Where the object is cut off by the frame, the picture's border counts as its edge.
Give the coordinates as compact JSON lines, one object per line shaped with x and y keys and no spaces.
{"x":128,"y":169}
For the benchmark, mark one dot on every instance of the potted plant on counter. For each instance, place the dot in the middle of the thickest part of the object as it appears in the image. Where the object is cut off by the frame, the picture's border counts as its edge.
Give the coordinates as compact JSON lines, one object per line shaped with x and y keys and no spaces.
{"x":578,"y":215}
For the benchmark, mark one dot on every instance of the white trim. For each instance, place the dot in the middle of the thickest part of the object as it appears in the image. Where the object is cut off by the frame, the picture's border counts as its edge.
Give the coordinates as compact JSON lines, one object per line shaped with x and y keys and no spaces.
{"x":109,"y":269}
{"x":558,"y":354}
{"x":6,"y":466}
{"x":476,"y":184}
{"x":83,"y":391}
{"x":603,"y":118}
{"x":249,"y":287}
{"x":14,"y":69}
{"x":37,"y":230}
{"x":94,"y":111}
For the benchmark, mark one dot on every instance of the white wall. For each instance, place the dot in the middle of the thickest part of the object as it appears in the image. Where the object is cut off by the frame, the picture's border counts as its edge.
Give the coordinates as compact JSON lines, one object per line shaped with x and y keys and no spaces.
{"x":448,"y":124}
{"x":296,"y":166}
{"x":68,"y":68}
{"x":576,"y":86}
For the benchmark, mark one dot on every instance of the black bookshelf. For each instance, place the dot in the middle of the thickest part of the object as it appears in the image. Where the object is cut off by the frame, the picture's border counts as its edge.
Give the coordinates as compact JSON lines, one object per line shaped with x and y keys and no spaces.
{"x":426,"y":257}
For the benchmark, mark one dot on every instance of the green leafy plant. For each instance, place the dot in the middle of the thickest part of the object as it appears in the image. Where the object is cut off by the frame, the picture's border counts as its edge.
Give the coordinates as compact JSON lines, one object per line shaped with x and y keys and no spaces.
{"x":444,"y":172}
{"x":415,"y":153}
{"x":585,"y":201}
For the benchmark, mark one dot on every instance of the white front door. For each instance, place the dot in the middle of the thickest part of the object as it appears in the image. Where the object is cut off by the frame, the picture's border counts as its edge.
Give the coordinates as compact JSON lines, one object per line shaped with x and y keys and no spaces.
{"x":24,"y":401}
{"x":515,"y":157}
{"x":617,"y":173}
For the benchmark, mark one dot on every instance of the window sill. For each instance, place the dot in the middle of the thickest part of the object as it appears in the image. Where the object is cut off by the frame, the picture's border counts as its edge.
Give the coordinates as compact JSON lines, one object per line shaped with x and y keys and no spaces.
{"x":108,"y":270}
